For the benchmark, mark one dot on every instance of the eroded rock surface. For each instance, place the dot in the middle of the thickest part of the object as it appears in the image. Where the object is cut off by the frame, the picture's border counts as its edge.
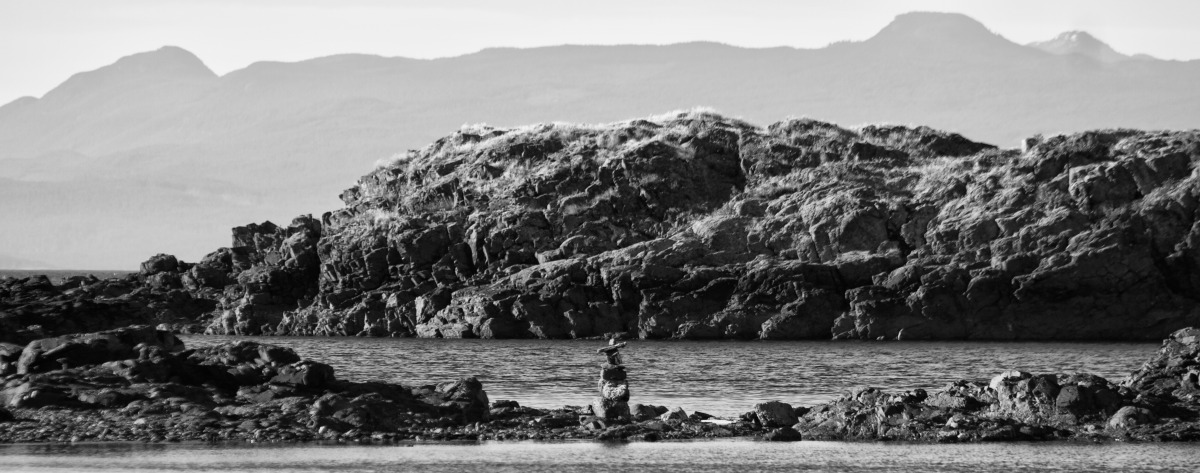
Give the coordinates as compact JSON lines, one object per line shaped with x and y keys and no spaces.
{"x":693,"y":225}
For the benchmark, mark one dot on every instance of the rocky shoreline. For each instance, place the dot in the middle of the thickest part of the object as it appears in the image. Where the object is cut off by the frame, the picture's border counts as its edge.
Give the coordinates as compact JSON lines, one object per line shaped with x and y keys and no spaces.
{"x":697,"y":226}
{"x":142,"y":384}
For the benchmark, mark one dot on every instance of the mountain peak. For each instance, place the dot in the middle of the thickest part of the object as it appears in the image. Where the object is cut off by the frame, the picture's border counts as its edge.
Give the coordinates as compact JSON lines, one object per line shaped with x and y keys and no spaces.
{"x":1081,"y":43}
{"x":134,"y":73}
{"x":933,"y":26}
{"x":168,"y":60}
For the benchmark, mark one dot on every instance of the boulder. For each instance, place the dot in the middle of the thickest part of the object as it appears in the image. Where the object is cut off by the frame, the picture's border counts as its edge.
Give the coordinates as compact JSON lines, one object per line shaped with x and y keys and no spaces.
{"x":159,"y":263}
{"x":642,"y":412}
{"x":1131,"y":416}
{"x":676,"y":413}
{"x":1026,"y":399}
{"x":610,"y":409}
{"x":308,"y":374}
{"x":93,"y":348}
{"x":775,"y":414}
{"x":468,"y":396}
{"x":783,"y":434}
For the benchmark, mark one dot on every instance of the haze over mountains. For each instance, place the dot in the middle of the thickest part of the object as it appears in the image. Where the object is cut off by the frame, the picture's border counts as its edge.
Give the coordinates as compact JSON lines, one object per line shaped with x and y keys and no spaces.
{"x":156,"y":153}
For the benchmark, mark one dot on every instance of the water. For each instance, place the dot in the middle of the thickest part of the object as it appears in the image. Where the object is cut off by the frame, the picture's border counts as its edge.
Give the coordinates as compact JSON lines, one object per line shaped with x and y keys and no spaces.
{"x":722,"y":378}
{"x":60,"y":274}
{"x":743,"y":456}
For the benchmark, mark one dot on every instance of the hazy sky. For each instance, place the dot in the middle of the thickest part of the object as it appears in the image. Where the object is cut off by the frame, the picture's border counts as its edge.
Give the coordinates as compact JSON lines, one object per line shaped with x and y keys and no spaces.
{"x":42,"y":42}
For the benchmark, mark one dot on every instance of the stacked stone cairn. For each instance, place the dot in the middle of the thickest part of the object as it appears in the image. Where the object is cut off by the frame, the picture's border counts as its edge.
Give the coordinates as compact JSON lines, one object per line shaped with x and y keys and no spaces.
{"x":613,"y":403}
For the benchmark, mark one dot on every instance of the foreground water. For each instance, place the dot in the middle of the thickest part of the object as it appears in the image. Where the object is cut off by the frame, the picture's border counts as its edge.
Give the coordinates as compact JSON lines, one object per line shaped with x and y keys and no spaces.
{"x":742,"y":456}
{"x":722,"y":378}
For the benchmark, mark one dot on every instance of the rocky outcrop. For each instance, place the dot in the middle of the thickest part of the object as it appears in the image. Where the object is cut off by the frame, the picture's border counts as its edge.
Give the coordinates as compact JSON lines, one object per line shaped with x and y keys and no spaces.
{"x":35,"y":307}
{"x":250,"y":391}
{"x":1158,"y":402}
{"x":142,"y":384}
{"x":694,"y":225}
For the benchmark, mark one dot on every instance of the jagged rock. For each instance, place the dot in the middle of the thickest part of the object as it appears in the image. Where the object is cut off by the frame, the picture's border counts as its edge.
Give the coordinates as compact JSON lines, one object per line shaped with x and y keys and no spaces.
{"x":1170,"y":373}
{"x":694,"y":225}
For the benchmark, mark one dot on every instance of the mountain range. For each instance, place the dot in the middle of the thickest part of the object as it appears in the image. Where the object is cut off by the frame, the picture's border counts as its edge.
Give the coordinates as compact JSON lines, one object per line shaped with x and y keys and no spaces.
{"x":156,"y":153}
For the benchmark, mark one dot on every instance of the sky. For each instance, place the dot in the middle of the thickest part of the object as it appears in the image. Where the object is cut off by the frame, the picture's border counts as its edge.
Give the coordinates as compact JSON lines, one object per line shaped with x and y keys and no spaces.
{"x":43,"y":42}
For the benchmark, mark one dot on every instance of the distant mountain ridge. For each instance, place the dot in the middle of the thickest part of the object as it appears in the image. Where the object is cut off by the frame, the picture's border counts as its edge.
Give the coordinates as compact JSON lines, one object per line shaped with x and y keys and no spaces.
{"x":1083,"y":44}
{"x":156,"y":153}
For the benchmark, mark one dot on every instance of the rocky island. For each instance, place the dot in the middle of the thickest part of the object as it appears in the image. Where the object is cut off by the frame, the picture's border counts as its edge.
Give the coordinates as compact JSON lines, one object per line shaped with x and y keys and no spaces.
{"x":690,"y":225}
{"x":694,"y":225}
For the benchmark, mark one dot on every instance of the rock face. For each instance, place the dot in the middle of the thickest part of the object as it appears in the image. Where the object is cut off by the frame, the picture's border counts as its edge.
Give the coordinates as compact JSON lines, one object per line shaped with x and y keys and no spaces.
{"x":694,"y":225}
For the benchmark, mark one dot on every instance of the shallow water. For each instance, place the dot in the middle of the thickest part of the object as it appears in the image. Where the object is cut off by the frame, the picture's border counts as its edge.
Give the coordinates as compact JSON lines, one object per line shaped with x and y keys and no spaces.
{"x":723,"y":378}
{"x":743,"y":456}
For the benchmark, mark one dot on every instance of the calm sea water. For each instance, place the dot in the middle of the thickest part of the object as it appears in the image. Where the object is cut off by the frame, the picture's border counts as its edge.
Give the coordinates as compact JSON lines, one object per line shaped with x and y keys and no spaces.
{"x":723,"y":378}
{"x":742,"y":456}
{"x":60,"y":274}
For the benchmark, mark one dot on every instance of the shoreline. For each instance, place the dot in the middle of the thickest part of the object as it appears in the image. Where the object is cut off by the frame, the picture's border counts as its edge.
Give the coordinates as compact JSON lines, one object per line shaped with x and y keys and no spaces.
{"x":140,"y":384}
